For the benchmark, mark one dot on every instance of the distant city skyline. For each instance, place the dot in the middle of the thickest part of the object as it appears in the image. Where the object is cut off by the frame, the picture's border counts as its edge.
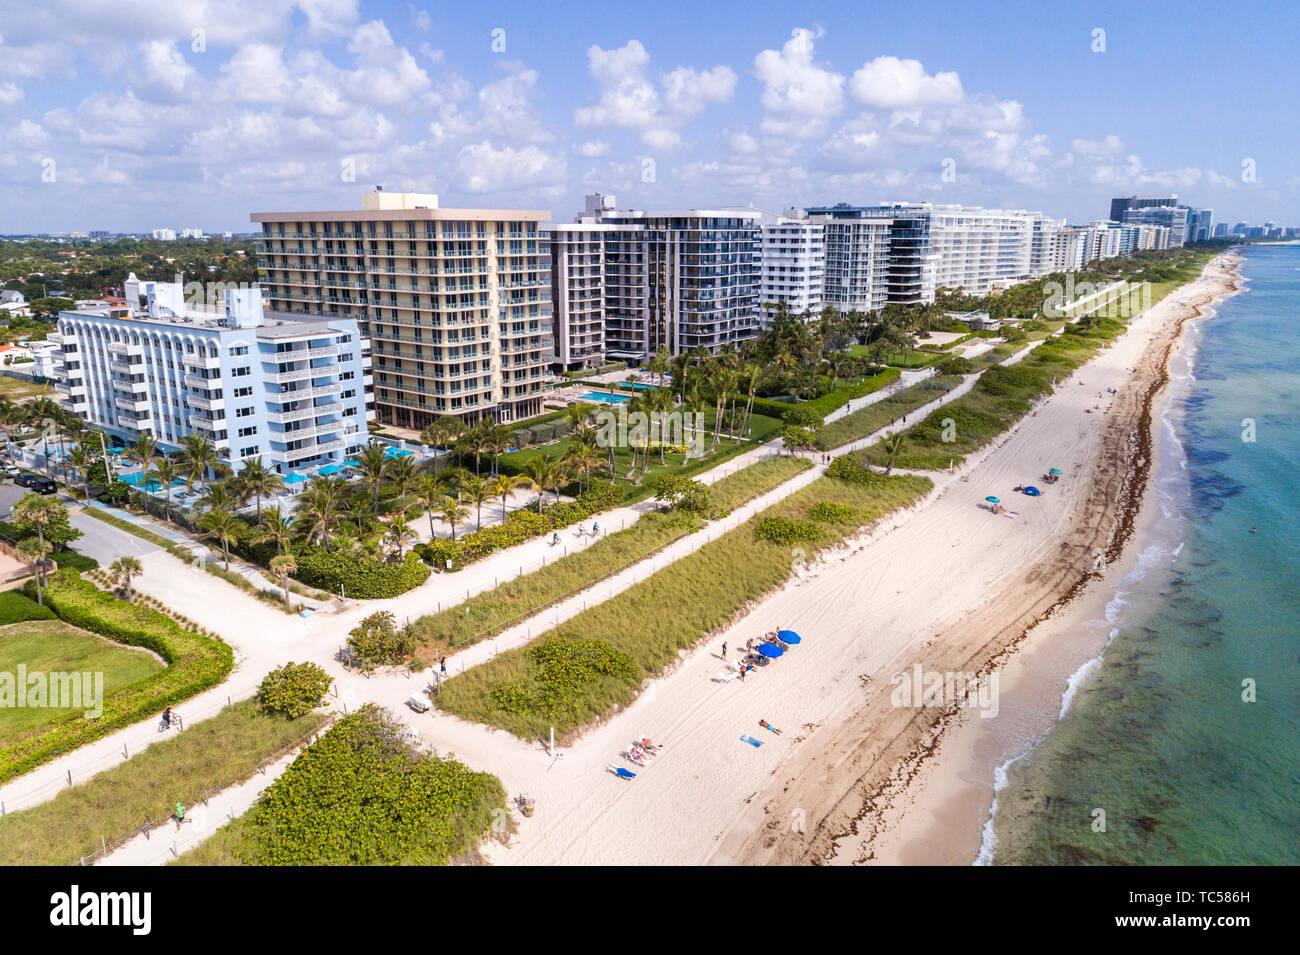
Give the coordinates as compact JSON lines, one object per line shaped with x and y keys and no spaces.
{"x":195,"y":113}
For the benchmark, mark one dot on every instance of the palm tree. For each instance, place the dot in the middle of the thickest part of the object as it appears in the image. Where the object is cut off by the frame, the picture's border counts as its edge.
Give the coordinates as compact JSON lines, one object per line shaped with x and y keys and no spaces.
{"x":476,"y":490}
{"x":319,"y":507}
{"x":81,"y":460}
{"x":429,"y":492}
{"x":397,"y":532}
{"x":275,"y":526}
{"x":123,"y":569}
{"x":451,"y":511}
{"x":34,"y":551}
{"x":374,"y":467}
{"x":545,"y":474}
{"x":503,"y":485}
{"x":221,"y":524}
{"x":165,"y":472}
{"x":221,"y":495}
{"x":403,"y":472}
{"x":282,"y":566}
{"x":198,"y":457}
{"x":259,"y":481}
{"x":142,"y":452}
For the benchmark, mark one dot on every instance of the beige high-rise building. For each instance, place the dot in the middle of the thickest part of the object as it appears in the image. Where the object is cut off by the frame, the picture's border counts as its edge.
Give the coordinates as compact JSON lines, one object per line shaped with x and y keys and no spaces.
{"x":456,"y":302}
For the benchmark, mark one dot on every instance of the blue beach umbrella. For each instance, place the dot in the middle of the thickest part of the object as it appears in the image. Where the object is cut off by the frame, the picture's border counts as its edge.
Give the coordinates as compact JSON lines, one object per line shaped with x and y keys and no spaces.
{"x":789,"y":636}
{"x":770,"y":650}
{"x":992,"y":500}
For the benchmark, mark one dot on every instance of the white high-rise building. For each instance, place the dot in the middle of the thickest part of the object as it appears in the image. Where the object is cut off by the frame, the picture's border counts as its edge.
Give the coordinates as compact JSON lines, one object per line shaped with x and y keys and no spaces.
{"x":165,"y":235}
{"x":292,"y":390}
{"x":792,"y":261}
{"x":670,"y":281}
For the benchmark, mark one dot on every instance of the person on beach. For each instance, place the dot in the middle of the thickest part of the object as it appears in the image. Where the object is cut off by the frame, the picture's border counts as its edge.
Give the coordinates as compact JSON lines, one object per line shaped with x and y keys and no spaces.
{"x":768,"y":726}
{"x":724,"y":650}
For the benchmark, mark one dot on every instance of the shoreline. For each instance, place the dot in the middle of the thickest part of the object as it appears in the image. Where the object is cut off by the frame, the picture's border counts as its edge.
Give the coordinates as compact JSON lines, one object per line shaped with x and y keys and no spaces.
{"x":916,"y":787}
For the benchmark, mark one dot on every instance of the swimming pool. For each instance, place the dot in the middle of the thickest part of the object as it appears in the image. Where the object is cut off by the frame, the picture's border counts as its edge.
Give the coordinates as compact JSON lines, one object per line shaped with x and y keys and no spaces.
{"x":604,"y":396}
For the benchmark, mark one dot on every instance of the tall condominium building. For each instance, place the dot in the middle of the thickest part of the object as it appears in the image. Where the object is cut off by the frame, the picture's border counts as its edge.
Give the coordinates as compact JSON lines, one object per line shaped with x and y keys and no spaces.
{"x":165,"y":235}
{"x":902,"y":252}
{"x":456,"y":302}
{"x":1122,"y":204}
{"x":792,"y":261}
{"x":578,"y":294}
{"x":1042,"y":260}
{"x":1173,"y":218}
{"x":672,"y":281}
{"x":1200,"y":225}
{"x":291,"y":390}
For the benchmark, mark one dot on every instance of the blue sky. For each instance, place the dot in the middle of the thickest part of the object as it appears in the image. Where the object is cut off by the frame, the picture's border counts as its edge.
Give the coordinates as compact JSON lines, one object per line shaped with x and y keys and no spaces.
{"x":196,"y":112}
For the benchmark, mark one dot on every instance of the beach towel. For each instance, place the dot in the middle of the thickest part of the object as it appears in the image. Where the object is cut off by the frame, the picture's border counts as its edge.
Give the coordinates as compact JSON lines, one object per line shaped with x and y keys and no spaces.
{"x":752,"y":742}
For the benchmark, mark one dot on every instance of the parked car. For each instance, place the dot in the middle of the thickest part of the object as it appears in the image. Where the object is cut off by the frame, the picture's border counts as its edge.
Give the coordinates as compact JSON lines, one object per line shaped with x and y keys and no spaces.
{"x":41,"y":485}
{"x":10,"y":470}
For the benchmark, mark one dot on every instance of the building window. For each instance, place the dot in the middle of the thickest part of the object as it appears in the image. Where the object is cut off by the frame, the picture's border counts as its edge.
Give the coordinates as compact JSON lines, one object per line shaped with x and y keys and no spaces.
{"x":247,"y":432}
{"x":243,"y":412}
{"x":244,"y":392}
{"x":241,"y":372}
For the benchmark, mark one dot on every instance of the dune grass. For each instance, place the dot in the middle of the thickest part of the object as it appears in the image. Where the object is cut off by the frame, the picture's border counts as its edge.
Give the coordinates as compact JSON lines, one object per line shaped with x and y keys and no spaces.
{"x":51,"y":646}
{"x":623,"y":641}
{"x":214,"y":753}
{"x":999,"y":399}
{"x":868,"y":420}
{"x":487,"y":614}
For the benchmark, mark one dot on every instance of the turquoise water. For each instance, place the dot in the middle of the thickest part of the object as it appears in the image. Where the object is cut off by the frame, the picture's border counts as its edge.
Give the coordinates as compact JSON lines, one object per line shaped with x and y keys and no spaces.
{"x":1159,"y":736}
{"x":604,"y":396}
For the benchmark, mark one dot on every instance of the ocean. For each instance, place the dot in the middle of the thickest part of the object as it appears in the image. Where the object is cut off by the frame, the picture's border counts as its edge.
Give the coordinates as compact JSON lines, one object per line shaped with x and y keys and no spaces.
{"x":1180,"y":744}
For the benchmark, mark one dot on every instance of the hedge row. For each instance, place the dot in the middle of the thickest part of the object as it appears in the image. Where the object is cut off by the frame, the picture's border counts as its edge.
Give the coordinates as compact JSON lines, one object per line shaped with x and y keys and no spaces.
{"x":842,"y":396}
{"x":518,"y":527}
{"x":15,"y":608}
{"x":358,"y":576}
{"x":194,"y":663}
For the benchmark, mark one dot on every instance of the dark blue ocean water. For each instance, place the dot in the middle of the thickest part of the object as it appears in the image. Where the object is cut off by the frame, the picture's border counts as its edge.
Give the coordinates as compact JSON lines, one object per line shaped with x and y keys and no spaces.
{"x":1161,"y":738}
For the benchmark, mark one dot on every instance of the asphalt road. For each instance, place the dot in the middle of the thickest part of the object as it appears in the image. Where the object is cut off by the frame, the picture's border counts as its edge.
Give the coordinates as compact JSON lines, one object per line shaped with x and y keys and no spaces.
{"x":98,"y":540}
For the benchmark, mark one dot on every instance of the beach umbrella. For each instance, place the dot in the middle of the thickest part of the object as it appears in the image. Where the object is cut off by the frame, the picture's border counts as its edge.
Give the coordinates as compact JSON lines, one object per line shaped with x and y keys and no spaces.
{"x":1032,"y":491}
{"x":789,"y":636}
{"x":992,"y":500}
{"x":770,"y":650}
{"x":1054,"y":471}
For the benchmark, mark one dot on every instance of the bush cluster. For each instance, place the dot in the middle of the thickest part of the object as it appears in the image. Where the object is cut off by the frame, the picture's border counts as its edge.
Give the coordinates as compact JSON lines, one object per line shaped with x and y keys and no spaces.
{"x":359,"y":576}
{"x":294,"y":689}
{"x":785,"y":530}
{"x":832,"y":512}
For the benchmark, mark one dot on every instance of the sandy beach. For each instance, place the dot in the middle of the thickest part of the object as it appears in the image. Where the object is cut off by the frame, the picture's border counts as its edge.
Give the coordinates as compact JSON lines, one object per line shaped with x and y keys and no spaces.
{"x":947,"y":584}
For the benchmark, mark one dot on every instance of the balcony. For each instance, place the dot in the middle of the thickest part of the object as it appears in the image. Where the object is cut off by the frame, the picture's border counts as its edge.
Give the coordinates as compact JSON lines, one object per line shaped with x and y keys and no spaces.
{"x":206,"y":403}
{"x":197,"y":360}
{"x":303,"y":394}
{"x":296,"y":374}
{"x":205,"y":423}
{"x":70,"y":389}
{"x":63,"y":338}
{"x":135,"y":387}
{"x":127,"y":402}
{"x":125,"y":368}
{"x":298,"y":414}
{"x":303,"y":354}
{"x":207,"y":384}
{"x":126,"y":349}
{"x":139,"y":420}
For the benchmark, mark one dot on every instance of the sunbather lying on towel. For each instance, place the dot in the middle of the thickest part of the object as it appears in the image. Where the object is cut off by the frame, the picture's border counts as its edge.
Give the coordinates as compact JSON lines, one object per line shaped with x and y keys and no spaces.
{"x":768,"y":726}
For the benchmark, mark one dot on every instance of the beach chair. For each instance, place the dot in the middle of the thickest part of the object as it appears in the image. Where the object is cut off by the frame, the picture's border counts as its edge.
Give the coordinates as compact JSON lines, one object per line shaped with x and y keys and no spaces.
{"x":727,"y":675}
{"x":621,"y":773}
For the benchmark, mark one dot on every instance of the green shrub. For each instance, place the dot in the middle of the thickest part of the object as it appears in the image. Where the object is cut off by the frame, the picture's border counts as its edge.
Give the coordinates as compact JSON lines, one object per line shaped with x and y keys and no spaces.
{"x":785,"y":530}
{"x":801,"y":416}
{"x":15,"y":607}
{"x":832,"y":512}
{"x":360,"y":795}
{"x":682,"y":493}
{"x":955,"y":366}
{"x":563,"y":670}
{"x":294,"y":689}
{"x":378,"y":641}
{"x":194,"y":663}
{"x":357,"y":576}
{"x":846,"y":468}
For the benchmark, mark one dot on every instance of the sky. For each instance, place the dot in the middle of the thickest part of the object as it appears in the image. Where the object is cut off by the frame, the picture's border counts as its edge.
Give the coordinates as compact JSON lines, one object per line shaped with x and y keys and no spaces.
{"x":130,"y":115}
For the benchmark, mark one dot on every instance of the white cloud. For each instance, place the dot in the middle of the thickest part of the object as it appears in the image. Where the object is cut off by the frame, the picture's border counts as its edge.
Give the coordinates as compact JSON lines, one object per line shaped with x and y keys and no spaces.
{"x":485,"y":167}
{"x":593,"y":148}
{"x":799,"y":95}
{"x":629,"y":98}
{"x":1110,"y":146}
{"x":890,"y":83}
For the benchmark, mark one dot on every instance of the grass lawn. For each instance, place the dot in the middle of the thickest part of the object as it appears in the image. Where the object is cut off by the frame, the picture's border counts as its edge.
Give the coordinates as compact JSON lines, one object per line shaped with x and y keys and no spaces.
{"x":914,"y":359}
{"x":45,"y":646}
{"x":607,"y":651}
{"x":214,"y":753}
{"x":491,"y":612}
{"x":14,"y":388}
{"x":762,"y":430}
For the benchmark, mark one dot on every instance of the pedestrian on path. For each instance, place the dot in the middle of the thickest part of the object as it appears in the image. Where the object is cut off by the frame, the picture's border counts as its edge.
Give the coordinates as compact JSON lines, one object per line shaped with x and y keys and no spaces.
{"x":180,"y":816}
{"x":442,"y":665}
{"x":724,"y":650}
